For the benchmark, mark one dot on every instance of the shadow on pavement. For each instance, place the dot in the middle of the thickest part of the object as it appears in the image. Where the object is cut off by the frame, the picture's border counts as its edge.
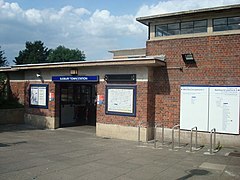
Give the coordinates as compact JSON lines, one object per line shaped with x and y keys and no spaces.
{"x":195,"y":172}
{"x":16,"y":127}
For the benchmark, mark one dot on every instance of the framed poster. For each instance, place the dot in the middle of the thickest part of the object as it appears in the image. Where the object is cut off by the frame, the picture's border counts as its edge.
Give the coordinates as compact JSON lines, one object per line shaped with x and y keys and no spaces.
{"x":224,"y":109}
{"x":38,"y":96}
{"x":194,"y":107}
{"x":121,"y":100}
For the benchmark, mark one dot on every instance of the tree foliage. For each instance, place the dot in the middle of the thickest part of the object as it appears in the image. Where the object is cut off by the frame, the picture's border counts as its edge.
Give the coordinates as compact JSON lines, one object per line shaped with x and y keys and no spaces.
{"x":3,"y":59}
{"x":34,"y":52}
{"x":63,"y":54}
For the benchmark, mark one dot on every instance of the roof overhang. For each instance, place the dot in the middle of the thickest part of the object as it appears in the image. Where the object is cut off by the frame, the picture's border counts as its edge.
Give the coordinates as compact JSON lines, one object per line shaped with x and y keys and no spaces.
{"x":148,"y":19}
{"x":146,"y":61}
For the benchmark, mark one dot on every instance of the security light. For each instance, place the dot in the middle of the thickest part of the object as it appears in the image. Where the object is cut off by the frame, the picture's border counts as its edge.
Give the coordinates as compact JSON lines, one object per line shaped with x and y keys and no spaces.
{"x":188,"y":58}
{"x":38,"y":75}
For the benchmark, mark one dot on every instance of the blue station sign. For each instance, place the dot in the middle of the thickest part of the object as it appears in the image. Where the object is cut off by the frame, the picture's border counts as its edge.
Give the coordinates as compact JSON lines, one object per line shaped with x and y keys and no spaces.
{"x":75,"y":78}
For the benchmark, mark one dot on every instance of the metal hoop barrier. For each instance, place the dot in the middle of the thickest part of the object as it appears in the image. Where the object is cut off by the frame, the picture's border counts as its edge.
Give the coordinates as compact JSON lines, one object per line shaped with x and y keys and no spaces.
{"x":212,"y":145}
{"x":195,"y":138}
{"x":139,"y":129}
{"x":174,"y":127}
{"x":162,"y":125}
{"x":155,"y":136}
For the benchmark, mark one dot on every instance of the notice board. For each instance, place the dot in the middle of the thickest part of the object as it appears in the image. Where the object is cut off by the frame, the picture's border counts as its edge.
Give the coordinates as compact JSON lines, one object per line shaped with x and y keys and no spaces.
{"x":209,"y":107}
{"x":224,"y":109}
{"x":194,"y":107}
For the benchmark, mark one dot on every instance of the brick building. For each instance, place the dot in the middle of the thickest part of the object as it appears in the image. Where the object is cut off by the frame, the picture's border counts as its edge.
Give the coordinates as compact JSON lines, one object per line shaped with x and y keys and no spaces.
{"x":199,"y":48}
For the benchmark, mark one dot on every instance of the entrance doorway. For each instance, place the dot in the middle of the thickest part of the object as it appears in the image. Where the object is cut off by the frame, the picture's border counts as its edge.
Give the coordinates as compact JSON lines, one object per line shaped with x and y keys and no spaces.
{"x":77,"y":104}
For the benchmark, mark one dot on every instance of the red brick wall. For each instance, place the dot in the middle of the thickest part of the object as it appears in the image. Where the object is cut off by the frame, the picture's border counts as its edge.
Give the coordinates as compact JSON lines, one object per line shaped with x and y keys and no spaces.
{"x":21,"y":91}
{"x":142,"y":114}
{"x":217,"y":63}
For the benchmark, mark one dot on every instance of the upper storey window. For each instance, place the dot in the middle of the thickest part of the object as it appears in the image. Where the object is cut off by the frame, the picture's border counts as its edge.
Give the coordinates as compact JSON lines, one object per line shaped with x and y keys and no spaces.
{"x":189,"y":27}
{"x":227,"y":23}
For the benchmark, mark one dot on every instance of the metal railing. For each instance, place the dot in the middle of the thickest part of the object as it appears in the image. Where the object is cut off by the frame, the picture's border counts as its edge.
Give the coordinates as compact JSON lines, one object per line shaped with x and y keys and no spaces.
{"x":174,"y":127}
{"x":162,"y":125}
{"x":192,"y":137}
{"x":212,"y":144}
{"x":155,"y":134}
{"x":139,"y":135}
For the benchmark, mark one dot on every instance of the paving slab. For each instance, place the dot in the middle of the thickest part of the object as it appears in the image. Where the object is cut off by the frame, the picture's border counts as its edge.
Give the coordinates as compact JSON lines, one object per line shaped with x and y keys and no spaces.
{"x":76,"y":153}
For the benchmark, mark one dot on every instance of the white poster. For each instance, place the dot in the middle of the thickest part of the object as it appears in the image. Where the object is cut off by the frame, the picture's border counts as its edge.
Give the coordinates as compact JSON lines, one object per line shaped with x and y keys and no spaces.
{"x":224,"y":109}
{"x":34,"y":96}
{"x":120,"y":100}
{"x":194,"y":107}
{"x":42,"y":96}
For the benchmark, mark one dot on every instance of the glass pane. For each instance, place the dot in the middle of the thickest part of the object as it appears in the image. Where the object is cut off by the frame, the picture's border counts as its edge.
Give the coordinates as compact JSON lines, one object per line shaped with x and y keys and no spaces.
{"x":202,"y":23}
{"x":173,"y":32}
{"x":233,"y":26}
{"x":187,"y":31}
{"x":187,"y":25}
{"x":200,"y":29}
{"x":173,"y":26}
{"x":234,"y":20}
{"x":220,"y":21}
{"x":220,"y":28}
{"x":161,"y":30}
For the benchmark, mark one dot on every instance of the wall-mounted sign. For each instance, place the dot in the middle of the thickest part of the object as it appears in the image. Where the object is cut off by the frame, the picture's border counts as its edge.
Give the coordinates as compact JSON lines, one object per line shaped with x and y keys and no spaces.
{"x":51,"y":96}
{"x":121,"y":100}
{"x":38,"y":95}
{"x":100,"y":99}
{"x":209,"y":107}
{"x":75,"y":78}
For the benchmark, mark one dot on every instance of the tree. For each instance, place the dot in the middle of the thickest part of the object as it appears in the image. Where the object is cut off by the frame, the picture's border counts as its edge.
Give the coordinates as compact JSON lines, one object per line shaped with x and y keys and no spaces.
{"x":63,"y":54}
{"x":3,"y":59}
{"x":34,"y":52}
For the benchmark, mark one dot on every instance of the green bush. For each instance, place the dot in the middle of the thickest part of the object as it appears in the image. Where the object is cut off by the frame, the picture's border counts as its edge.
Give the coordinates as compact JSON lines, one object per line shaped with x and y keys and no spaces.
{"x":9,"y":104}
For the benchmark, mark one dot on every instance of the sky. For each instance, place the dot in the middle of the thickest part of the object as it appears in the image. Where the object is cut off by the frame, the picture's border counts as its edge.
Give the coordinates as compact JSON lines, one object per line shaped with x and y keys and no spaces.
{"x":92,"y":26}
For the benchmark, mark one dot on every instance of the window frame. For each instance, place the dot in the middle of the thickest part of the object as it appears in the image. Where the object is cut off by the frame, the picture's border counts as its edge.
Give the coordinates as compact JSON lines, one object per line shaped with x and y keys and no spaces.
{"x":192,"y":29}
{"x":225,"y":26}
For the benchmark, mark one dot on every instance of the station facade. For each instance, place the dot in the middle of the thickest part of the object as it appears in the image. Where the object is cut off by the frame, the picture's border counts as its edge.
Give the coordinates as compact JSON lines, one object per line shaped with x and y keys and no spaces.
{"x":199,"y":48}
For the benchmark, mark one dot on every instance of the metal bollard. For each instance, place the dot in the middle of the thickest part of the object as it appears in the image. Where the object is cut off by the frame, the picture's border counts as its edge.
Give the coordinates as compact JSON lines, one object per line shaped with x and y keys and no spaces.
{"x":173,"y":136}
{"x":191,"y":138}
{"x":155,"y":136}
{"x":139,"y":128}
{"x":212,"y":145}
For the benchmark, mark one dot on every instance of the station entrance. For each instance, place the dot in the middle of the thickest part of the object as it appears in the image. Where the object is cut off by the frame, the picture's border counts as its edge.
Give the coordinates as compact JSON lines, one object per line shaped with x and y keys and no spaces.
{"x":77,"y":104}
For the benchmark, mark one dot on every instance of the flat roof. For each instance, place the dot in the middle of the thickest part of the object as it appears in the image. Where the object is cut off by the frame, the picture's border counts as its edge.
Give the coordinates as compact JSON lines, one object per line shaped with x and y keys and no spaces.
{"x":146,"y":61}
{"x":147,"y":19}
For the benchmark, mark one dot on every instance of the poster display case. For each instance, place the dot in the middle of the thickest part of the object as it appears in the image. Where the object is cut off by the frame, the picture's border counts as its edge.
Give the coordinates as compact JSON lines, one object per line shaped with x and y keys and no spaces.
{"x":121,"y":100}
{"x":38,"y":96}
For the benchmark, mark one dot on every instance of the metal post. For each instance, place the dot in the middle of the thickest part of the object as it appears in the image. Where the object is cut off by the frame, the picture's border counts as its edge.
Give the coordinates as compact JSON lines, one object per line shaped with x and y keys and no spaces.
{"x":139,"y":127}
{"x":211,"y":142}
{"x":191,"y":138}
{"x":212,"y":145}
{"x":162,"y":133}
{"x":179,"y":137}
{"x":155,"y":136}
{"x":196,"y":139}
{"x":214,"y":139}
{"x":173,"y":136}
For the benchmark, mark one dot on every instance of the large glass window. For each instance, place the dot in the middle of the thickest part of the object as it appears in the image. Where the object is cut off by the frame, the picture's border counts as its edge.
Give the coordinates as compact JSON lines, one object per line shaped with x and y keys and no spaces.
{"x":227,"y":23}
{"x":189,"y":27}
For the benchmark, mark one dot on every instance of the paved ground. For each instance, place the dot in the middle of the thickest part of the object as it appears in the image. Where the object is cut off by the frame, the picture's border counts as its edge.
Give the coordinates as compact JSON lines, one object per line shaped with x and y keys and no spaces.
{"x":76,"y":153}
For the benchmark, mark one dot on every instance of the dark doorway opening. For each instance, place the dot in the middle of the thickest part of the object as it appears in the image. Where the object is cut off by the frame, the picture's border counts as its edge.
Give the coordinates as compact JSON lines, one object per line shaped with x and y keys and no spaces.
{"x":77,"y":104}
